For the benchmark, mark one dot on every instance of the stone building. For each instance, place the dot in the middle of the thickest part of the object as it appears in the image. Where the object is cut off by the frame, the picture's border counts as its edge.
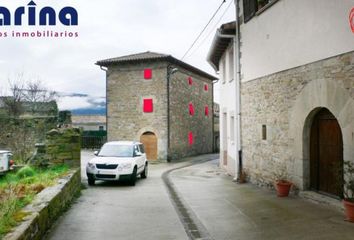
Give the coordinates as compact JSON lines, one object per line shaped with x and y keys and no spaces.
{"x":161,"y":101}
{"x":89,"y":122}
{"x":294,"y":62}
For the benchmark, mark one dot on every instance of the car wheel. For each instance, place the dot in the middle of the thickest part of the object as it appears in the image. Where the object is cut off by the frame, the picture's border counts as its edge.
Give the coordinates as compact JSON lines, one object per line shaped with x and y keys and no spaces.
{"x":91,"y":181}
{"x":144,"y":174}
{"x":133,"y":177}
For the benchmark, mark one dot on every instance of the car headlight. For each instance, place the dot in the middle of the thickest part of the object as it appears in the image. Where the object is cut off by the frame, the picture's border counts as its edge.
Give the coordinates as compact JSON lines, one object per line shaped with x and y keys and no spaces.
{"x":126,"y":165}
{"x":91,"y":165}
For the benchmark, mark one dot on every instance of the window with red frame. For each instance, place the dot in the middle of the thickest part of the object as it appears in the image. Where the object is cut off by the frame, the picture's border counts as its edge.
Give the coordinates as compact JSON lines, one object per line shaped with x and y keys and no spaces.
{"x":206,"y":111}
{"x":190,"y":80}
{"x":147,"y":73}
{"x":206,"y":87}
{"x":148,"y":105}
{"x":190,"y":138}
{"x":191,"y":109}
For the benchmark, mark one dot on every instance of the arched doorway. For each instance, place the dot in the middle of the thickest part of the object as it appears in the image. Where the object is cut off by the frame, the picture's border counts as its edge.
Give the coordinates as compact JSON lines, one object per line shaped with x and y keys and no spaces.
{"x":326,"y":154}
{"x":149,"y":140}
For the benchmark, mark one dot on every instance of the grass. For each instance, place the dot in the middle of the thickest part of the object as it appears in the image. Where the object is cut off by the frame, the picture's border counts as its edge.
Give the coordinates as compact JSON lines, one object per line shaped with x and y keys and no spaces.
{"x":19,"y":189}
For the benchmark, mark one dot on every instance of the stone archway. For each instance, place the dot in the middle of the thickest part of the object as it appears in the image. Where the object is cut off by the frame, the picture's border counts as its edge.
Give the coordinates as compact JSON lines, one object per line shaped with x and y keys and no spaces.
{"x":318,"y":94}
{"x":149,"y":140}
{"x":326,"y":154}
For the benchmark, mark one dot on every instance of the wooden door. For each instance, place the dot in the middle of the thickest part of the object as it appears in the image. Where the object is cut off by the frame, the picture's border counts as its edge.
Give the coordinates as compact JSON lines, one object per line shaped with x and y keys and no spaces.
{"x":326,"y":155}
{"x":149,"y":140}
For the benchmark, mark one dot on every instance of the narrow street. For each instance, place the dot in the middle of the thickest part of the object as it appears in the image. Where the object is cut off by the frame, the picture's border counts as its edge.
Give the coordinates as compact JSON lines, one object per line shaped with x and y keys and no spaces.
{"x":205,"y":204}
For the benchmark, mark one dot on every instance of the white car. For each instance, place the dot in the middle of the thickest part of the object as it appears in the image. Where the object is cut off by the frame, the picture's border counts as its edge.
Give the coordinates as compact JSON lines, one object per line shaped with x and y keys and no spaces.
{"x":121,"y":160}
{"x":6,"y":162}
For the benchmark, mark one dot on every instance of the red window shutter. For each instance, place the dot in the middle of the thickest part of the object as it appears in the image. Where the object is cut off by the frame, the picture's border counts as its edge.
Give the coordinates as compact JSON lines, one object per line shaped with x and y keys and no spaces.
{"x":147,"y":73}
{"x":148,"y":105}
{"x":190,"y":138}
{"x":191,"y":109}
{"x":206,"y":87}
{"x":190,"y":80}
{"x":206,"y":111}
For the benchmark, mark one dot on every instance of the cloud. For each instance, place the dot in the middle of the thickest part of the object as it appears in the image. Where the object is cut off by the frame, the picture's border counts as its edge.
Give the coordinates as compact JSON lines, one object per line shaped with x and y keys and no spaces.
{"x":107,"y":28}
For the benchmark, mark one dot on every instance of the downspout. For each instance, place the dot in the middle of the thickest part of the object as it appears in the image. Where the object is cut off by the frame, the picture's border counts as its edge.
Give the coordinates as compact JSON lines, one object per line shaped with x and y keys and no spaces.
{"x":106,"y":71}
{"x":237,"y":74}
{"x":168,"y":111}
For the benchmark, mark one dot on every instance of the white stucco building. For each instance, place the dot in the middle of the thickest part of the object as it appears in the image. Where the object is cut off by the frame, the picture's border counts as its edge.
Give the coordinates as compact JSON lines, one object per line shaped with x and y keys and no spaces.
{"x":295,"y":64}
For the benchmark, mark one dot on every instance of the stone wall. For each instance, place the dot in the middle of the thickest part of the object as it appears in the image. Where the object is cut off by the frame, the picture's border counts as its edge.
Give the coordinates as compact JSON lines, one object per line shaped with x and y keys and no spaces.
{"x":126,"y":89}
{"x":63,"y":146}
{"x":282,"y":103}
{"x":181,"y":122}
{"x":47,"y":206}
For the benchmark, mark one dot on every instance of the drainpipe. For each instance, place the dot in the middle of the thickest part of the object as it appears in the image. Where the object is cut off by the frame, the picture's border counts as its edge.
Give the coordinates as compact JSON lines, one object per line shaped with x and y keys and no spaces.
{"x":106,"y":71}
{"x":170,"y":70}
{"x":237,"y":74}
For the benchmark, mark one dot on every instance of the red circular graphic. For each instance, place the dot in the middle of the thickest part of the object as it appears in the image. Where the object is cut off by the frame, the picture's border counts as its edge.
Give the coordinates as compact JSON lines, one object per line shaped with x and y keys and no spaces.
{"x":351,"y":19}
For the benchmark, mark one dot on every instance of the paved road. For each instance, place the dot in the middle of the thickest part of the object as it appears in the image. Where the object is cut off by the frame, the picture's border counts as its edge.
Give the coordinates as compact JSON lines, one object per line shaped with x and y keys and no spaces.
{"x":118,"y":211}
{"x":203,"y":199}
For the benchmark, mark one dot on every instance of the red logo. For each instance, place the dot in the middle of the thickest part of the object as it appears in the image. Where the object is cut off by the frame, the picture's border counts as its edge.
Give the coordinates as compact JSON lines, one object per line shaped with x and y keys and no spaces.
{"x":351,"y":19}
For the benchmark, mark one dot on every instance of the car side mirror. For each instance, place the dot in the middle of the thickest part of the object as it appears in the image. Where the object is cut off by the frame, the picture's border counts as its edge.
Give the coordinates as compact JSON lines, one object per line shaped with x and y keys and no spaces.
{"x":95,"y":153}
{"x":137,"y":154}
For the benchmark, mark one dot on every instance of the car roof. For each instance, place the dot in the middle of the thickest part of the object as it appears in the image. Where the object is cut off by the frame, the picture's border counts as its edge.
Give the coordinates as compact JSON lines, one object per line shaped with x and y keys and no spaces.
{"x":4,"y":151}
{"x":122,"y":143}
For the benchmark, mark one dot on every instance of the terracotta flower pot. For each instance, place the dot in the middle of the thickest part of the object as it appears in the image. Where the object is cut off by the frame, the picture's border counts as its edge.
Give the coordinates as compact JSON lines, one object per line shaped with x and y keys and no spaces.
{"x":283,"y":188}
{"x":349,"y":210}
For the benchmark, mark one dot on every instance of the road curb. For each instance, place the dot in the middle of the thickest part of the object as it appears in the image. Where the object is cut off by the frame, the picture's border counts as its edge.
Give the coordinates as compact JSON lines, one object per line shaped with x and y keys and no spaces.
{"x":192,"y":225}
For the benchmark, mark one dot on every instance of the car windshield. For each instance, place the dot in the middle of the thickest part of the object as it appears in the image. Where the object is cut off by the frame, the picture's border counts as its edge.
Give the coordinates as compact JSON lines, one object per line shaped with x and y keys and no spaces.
{"x":116,"y":151}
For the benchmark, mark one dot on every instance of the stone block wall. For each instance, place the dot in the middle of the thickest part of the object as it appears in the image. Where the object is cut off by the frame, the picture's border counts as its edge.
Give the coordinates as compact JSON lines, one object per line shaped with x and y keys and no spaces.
{"x":47,"y":206}
{"x":64,"y":146}
{"x":181,"y":122}
{"x":126,"y":89}
{"x":278,"y":102}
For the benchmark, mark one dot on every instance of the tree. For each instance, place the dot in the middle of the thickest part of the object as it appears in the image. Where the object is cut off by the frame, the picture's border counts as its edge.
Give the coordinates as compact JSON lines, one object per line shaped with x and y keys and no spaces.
{"x":19,"y":131}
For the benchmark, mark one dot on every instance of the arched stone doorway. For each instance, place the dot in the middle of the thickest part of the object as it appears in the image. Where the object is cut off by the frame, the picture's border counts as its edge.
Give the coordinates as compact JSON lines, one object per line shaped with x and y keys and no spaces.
{"x":149,"y":140}
{"x":326,"y":154}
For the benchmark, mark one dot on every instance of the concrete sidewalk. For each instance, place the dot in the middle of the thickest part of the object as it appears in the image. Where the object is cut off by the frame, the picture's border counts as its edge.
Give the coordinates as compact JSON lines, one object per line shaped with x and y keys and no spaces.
{"x":232,"y":211}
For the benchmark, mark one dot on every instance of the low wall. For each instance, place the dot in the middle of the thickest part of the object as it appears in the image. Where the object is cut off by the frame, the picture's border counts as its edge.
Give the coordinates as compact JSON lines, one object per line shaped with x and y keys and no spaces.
{"x":46,"y":208}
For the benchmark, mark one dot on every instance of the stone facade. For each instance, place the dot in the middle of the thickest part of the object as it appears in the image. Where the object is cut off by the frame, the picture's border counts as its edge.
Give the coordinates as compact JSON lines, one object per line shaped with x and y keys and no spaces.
{"x":182,"y":123}
{"x":285,"y":104}
{"x":169,"y":121}
{"x":126,"y":89}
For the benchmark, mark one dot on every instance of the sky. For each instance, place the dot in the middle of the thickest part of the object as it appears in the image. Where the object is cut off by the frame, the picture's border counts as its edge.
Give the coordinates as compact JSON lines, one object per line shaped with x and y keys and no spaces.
{"x":106,"y":29}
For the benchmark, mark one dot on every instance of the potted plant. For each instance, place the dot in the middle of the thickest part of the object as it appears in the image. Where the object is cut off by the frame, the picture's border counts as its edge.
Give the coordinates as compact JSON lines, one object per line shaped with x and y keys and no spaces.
{"x":282,"y":183}
{"x":348,"y":190}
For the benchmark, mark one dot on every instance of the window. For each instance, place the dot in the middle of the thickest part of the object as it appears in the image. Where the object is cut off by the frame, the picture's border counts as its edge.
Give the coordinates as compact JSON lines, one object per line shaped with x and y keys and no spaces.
{"x":190,"y":80}
{"x":147,"y":73}
{"x":232,"y":129}
{"x":223,"y":70}
{"x":141,"y":146}
{"x":148,"y":106}
{"x":231,"y":64}
{"x":100,"y":128}
{"x":191,"y":109}
{"x":206,"y":111}
{"x":264,"y":132}
{"x":190,"y":138}
{"x":250,"y":7}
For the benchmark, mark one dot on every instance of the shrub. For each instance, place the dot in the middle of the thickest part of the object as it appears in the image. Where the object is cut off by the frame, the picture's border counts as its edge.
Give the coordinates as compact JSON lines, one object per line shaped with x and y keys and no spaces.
{"x":26,"y":171}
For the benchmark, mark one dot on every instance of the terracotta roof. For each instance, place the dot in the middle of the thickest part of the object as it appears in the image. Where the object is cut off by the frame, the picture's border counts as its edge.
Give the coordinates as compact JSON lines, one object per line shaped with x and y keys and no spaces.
{"x":153,"y":56}
{"x":220,"y":44}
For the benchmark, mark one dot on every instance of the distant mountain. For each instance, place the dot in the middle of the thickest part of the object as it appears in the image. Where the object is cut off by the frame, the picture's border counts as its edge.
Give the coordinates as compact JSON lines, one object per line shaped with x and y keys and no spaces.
{"x":89,"y":111}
